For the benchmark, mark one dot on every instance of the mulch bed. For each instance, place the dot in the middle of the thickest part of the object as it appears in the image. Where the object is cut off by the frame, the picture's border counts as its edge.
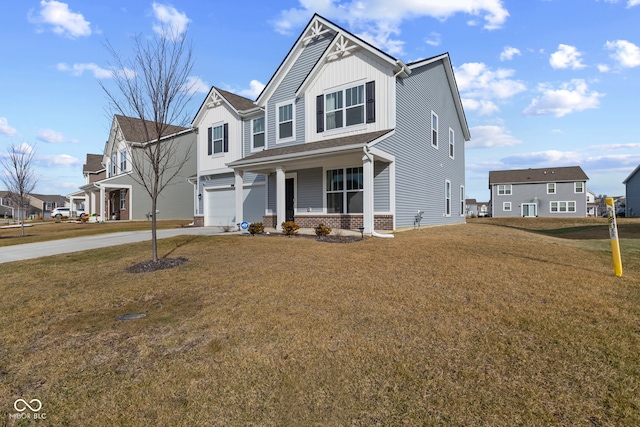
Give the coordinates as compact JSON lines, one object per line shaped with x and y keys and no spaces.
{"x":326,"y":239}
{"x":161,"y":264}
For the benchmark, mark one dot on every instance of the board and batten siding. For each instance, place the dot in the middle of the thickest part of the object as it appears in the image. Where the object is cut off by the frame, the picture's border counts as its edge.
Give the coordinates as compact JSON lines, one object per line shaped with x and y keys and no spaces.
{"x":217,"y":115}
{"x":421,"y":169}
{"x":361,"y":66}
{"x":287,"y":91}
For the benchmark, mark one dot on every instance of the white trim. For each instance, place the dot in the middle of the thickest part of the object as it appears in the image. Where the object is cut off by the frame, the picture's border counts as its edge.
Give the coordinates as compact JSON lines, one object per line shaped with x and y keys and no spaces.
{"x":447,"y":186}
{"x":291,"y":138}
{"x":555,"y":188}
{"x":504,"y":206}
{"x":213,"y":150}
{"x":452,"y":143}
{"x":252,"y":147}
{"x":575,"y":185}
{"x":435,"y":145}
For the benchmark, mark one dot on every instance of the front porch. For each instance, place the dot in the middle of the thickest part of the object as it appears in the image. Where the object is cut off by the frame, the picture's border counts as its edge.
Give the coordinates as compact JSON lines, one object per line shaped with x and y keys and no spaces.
{"x":341,"y":222}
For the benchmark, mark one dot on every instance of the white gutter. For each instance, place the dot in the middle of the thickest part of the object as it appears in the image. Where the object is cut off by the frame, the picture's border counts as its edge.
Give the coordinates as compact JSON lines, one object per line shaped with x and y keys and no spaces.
{"x":365,"y":149}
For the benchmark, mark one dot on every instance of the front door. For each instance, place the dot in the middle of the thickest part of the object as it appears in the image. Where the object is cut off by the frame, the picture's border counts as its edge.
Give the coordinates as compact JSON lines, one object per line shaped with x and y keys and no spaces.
{"x":529,"y":209}
{"x":289,"y":199}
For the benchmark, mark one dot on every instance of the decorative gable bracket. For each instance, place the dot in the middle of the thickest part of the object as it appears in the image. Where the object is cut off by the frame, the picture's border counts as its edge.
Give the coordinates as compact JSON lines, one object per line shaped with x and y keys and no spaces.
{"x":214,"y":100}
{"x":342,"y":47}
{"x":316,"y":30}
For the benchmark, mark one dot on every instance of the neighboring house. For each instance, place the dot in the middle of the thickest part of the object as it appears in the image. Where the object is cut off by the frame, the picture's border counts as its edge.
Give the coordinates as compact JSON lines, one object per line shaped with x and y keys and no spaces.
{"x":592,"y":204}
{"x":548,"y":192}
{"x":342,"y":134}
{"x":114,"y":192}
{"x":87,"y":199}
{"x":40,"y":205}
{"x":476,"y":209}
{"x":632,"y":189}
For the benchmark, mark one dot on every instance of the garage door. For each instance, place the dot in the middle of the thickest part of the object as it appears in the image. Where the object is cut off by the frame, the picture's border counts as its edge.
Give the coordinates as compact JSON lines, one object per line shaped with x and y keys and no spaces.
{"x":220,"y":206}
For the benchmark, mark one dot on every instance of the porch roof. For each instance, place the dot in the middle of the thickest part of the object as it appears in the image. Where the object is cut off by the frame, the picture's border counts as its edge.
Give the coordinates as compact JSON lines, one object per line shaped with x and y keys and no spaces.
{"x":297,"y":151}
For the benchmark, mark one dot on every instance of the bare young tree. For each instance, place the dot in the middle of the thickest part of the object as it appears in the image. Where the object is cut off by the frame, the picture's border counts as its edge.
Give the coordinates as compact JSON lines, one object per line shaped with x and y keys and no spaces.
{"x":19,"y":177}
{"x":154,"y":86}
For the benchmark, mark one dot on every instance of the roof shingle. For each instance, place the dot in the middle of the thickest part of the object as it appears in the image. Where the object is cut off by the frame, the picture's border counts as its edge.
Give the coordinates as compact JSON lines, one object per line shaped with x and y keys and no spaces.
{"x":522,"y":176}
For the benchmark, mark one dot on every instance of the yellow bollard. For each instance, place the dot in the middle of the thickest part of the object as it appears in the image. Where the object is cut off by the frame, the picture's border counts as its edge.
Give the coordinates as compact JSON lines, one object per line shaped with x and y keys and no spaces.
{"x":613,"y":235}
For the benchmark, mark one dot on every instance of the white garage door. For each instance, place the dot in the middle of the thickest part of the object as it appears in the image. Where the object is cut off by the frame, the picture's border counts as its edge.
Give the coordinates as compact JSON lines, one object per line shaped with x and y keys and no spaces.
{"x":220,"y":206}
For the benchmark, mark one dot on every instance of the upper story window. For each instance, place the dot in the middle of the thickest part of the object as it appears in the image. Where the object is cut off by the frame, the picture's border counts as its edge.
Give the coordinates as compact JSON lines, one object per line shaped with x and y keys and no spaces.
{"x":578,"y":187}
{"x":434,"y":129}
{"x":114,"y":165}
{"x":123,"y":160}
{"x":504,"y":190}
{"x":218,"y":139}
{"x":551,"y":188}
{"x":451,"y":143}
{"x":257,"y":135}
{"x":347,"y":106}
{"x":286,"y":114}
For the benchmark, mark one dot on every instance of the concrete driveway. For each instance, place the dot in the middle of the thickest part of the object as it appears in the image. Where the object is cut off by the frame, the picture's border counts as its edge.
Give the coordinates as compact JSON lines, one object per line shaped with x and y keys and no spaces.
{"x":77,"y":244}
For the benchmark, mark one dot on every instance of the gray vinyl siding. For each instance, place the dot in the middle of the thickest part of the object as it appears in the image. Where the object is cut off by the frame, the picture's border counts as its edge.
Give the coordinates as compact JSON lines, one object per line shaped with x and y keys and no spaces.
{"x":271,"y":192}
{"x":247,"y":127}
{"x":310,"y":190}
{"x":421,"y":170}
{"x":633,"y":196}
{"x":381,"y":187}
{"x":537,"y":193}
{"x":287,"y":89}
{"x":176,"y":200}
{"x":224,"y":180}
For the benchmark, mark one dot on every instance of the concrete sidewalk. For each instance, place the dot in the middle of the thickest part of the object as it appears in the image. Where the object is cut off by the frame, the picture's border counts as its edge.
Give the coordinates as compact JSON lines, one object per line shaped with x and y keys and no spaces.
{"x":77,"y":244}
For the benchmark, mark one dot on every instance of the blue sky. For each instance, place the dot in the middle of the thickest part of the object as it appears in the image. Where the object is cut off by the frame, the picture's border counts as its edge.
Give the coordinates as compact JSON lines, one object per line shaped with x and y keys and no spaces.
{"x":544,"y":83}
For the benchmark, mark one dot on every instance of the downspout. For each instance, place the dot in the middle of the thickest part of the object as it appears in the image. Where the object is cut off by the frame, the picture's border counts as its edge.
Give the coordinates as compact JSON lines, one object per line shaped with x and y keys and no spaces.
{"x":365,"y":149}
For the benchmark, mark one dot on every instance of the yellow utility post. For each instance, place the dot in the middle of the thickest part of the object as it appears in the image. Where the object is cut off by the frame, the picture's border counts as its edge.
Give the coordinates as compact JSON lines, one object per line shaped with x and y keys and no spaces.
{"x":613,"y":235}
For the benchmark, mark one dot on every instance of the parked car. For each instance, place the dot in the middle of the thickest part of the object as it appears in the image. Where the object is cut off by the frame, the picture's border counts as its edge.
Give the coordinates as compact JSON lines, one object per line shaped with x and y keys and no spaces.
{"x":621,"y":213}
{"x":60,"y":212}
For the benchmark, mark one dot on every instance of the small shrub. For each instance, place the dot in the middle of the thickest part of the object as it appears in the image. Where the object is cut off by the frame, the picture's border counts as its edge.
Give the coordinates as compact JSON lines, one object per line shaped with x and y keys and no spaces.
{"x":322,"y":230}
{"x":290,"y":228}
{"x":256,"y":228}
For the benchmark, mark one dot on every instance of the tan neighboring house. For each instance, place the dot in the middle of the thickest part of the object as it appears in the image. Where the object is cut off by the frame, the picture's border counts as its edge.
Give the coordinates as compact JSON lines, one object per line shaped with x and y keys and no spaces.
{"x":40,"y":205}
{"x":113,"y":191}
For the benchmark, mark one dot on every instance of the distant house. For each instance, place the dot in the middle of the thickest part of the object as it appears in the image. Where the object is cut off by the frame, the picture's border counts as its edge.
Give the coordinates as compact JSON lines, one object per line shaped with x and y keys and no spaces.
{"x":592,"y":205}
{"x":40,"y":205}
{"x":343,"y":134}
{"x":114,"y":192}
{"x":85,"y":200}
{"x":548,"y":192}
{"x":632,"y":189}
{"x":476,"y":209}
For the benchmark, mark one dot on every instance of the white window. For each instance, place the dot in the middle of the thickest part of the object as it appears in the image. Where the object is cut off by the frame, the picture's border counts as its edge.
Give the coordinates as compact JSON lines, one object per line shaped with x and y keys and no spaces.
{"x":562,"y":207}
{"x":447,"y":197}
{"x":114,"y":165}
{"x":344,"y":107}
{"x":123,"y":199}
{"x":451,"y":143}
{"x":286,"y":126}
{"x":217,"y":139}
{"x":258,"y":133}
{"x":504,"y":189}
{"x":123,"y":161}
{"x":434,"y":129}
{"x":506,"y":206}
{"x":551,"y":188}
{"x":344,"y":191}
{"x":578,"y":187}
{"x":462,"y":200}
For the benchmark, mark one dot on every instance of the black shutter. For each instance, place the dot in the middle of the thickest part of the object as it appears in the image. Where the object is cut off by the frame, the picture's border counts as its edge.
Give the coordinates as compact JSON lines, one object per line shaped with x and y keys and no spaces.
{"x":371,"y":101}
{"x":225,"y":137}
{"x":320,"y":113}
{"x":210,"y":141}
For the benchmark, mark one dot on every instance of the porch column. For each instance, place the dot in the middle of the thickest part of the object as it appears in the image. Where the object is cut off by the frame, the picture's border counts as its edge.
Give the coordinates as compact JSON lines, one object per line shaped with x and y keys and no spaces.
{"x":102,"y":206}
{"x":367,"y":196}
{"x":239,"y":192}
{"x":280,"y":197}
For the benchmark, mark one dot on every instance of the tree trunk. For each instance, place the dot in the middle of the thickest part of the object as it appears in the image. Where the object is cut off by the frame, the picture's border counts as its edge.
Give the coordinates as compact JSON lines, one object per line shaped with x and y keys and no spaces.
{"x":154,"y":234}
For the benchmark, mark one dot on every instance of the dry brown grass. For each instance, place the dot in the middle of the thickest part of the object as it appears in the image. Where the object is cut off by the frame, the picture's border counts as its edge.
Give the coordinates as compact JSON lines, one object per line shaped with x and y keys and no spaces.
{"x":474,"y":324}
{"x":49,"y":230}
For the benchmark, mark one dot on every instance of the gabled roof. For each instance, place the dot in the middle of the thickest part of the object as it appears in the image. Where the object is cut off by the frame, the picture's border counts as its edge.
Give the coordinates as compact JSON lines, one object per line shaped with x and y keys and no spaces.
{"x":315,"y":148}
{"x":49,"y":197}
{"x":136,"y":130}
{"x":635,"y":171}
{"x":526,"y":176}
{"x":239,"y":104}
{"x":93,"y":164}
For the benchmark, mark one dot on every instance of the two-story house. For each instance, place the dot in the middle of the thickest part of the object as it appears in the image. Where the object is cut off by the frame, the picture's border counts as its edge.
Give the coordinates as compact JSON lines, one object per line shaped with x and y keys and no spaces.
{"x":548,"y":192}
{"x":342,"y":134}
{"x":632,"y":196}
{"x":113,"y":191}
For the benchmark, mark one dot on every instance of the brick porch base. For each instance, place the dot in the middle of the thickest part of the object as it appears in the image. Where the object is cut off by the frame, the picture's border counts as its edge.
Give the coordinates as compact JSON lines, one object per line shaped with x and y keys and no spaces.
{"x":346,"y":222}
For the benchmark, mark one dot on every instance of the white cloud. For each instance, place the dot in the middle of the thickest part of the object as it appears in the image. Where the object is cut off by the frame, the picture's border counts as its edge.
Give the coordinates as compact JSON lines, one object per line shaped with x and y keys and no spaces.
{"x":508,"y":53}
{"x":477,"y":80}
{"x":603,"y":68}
{"x":608,"y":147}
{"x":566,"y":57}
{"x":434,"y":39}
{"x":171,"y":22}
{"x":51,"y":136}
{"x":5,"y":129}
{"x":196,"y":85}
{"x":491,"y":136}
{"x":64,"y":21}
{"x":79,"y":69}
{"x":378,"y":21}
{"x":632,"y":3}
{"x":255,"y":88}
{"x":62,"y":160}
{"x":569,"y":98}
{"x":24,"y":148}
{"x":553,"y":157}
{"x":483,"y":107}
{"x":626,"y":53}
